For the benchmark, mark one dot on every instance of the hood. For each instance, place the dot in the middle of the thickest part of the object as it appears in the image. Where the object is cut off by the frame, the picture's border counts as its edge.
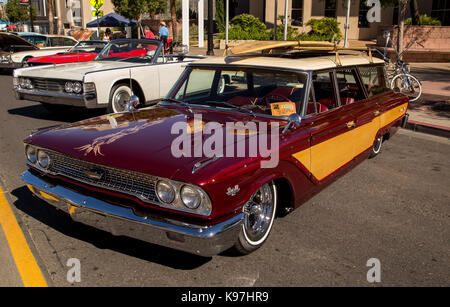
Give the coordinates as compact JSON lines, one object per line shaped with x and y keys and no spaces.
{"x":14,"y":43}
{"x":64,"y":58}
{"x":139,"y":141}
{"x":70,"y":71}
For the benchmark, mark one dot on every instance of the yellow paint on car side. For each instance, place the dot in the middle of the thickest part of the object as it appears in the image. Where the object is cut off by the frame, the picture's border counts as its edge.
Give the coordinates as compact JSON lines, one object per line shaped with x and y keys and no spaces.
{"x":326,"y":157}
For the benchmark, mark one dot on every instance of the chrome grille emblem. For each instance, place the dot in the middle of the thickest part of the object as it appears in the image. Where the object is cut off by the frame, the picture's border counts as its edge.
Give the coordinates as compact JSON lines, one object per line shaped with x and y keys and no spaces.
{"x":94,"y":174}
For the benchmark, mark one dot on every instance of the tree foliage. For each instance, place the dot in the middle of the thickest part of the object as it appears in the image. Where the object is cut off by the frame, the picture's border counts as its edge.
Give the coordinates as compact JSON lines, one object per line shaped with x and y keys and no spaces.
{"x":18,"y":13}
{"x":220,"y":15}
{"x":424,"y":20}
{"x":134,"y":9}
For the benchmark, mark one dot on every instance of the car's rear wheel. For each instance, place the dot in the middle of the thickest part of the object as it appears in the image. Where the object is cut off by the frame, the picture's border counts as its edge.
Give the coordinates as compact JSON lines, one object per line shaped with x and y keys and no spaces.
{"x":119,"y":97}
{"x":259,"y":214}
{"x":376,"y":147}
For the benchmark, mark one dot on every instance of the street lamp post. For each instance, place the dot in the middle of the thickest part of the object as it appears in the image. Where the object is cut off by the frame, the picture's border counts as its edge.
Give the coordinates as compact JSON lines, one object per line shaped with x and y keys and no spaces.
{"x":210,"y":28}
{"x":31,"y":18}
{"x":286,"y":9}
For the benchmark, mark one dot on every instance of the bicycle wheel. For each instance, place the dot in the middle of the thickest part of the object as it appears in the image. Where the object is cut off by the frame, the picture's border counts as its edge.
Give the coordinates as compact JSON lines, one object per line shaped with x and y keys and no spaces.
{"x":407,"y":84}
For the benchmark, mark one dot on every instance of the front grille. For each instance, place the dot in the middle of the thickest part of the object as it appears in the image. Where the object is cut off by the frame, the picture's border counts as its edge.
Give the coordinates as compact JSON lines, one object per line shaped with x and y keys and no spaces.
{"x":48,"y":85}
{"x":127,"y":182}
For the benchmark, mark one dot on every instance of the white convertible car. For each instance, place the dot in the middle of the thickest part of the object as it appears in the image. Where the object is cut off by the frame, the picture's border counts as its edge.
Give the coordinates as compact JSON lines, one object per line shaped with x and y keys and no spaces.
{"x":124,"y":67}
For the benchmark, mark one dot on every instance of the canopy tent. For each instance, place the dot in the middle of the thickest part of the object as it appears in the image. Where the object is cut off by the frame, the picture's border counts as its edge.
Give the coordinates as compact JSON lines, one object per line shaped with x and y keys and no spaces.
{"x":112,"y":20}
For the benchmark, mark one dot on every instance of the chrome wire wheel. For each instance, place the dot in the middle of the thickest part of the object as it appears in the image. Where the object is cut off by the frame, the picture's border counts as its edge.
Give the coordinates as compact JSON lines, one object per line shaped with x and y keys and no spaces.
{"x":259,"y":214}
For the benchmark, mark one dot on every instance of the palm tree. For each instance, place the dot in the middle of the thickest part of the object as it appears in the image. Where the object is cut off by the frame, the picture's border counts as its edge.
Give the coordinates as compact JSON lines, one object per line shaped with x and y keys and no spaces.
{"x":51,"y":25}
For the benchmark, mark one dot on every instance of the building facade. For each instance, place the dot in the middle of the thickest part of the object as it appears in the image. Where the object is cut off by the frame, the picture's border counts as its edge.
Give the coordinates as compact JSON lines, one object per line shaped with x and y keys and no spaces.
{"x":300,"y":11}
{"x":66,"y":13}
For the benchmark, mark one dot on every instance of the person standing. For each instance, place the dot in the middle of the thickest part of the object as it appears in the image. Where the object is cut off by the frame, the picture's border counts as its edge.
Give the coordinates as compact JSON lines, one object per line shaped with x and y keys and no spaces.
{"x":163,"y":33}
{"x":148,"y":33}
{"x":107,"y":35}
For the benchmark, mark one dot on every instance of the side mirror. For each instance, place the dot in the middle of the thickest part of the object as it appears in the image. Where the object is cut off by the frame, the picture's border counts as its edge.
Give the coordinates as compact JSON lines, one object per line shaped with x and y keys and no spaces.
{"x":294,"y":120}
{"x":133,"y":103}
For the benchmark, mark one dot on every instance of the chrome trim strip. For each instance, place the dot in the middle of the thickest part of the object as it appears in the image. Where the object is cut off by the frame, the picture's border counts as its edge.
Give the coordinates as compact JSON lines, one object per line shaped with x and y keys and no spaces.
{"x":188,"y":237}
{"x":199,"y":165}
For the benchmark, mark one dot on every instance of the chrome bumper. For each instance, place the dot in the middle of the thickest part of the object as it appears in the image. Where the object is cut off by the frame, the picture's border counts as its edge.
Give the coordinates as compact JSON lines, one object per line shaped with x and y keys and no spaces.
{"x":196,"y":239}
{"x":83,"y":100}
{"x":10,"y":65}
{"x":405,"y":120}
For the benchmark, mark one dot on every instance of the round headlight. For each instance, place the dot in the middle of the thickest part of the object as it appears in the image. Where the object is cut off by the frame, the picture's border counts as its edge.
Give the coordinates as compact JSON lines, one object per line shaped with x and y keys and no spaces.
{"x":22,"y":83}
{"x":28,"y":83}
{"x":165,"y":191}
{"x":77,"y":87}
{"x":31,"y":154}
{"x":43,"y":159}
{"x":191,"y":197}
{"x":68,"y":87}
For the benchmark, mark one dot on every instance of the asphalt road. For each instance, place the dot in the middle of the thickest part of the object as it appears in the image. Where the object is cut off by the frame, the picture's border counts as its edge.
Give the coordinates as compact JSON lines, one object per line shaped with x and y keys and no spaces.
{"x":395,"y":208}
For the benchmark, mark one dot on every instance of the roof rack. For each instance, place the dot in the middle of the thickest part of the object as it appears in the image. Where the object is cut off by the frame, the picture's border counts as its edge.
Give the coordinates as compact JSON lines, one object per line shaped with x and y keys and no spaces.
{"x":250,"y":49}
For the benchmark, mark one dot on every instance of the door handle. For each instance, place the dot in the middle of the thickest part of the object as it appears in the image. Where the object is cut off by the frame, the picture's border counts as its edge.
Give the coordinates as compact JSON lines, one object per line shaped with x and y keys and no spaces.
{"x":351,"y":124}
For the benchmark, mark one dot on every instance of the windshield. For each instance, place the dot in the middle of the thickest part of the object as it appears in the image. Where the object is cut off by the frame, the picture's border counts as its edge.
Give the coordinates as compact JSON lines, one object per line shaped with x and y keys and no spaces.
{"x":138,"y":51}
{"x":88,"y":46}
{"x":261,"y":91}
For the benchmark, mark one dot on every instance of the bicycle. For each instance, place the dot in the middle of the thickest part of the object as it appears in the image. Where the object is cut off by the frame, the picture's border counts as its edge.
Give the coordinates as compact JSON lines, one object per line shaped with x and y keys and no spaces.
{"x":401,"y":80}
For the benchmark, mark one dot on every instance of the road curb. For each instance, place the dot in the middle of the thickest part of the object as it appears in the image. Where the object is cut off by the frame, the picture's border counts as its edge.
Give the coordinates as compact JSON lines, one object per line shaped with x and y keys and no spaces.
{"x":428,"y":128}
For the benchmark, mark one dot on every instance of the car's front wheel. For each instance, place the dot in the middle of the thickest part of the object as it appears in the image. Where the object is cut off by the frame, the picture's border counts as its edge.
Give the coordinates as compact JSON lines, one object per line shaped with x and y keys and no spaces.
{"x":259,"y":214}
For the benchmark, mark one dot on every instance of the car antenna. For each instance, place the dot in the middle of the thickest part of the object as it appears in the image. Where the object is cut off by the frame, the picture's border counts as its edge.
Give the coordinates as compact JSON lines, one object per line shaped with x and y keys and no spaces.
{"x":131,"y":83}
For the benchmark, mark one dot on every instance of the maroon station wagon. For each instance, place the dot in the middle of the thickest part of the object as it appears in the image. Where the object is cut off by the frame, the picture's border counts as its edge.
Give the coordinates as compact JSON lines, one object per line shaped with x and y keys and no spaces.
{"x":140,"y":174}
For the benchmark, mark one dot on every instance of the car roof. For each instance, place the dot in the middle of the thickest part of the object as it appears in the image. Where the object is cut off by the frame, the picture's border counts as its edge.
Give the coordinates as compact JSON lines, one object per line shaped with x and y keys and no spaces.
{"x":40,"y":34}
{"x":306,"y":64}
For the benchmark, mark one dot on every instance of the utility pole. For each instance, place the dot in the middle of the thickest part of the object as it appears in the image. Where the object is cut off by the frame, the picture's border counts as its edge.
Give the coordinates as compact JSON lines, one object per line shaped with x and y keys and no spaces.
{"x":286,"y":9}
{"x":347,"y":24}
{"x":210,"y":29}
{"x":185,"y":24}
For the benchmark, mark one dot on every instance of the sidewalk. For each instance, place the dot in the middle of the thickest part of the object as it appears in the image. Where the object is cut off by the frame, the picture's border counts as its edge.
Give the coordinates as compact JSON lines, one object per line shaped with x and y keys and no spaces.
{"x":431,"y":114}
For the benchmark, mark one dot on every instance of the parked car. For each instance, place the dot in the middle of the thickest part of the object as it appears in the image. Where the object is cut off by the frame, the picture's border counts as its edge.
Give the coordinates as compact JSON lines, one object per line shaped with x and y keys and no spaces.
{"x":47,"y":40}
{"x":123,"y":173}
{"x":10,"y":43}
{"x":82,"y":52}
{"x":124,"y":66}
{"x":44,"y":45}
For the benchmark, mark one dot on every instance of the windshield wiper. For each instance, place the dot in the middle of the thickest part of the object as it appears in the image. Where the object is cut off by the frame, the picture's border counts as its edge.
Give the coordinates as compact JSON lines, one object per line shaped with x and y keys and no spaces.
{"x":183,"y":103}
{"x":223,"y":103}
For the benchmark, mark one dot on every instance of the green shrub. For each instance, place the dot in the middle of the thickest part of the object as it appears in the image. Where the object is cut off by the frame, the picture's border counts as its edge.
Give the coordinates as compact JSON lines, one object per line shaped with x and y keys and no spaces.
{"x":248,"y":22}
{"x":424,"y":20}
{"x":322,"y":30}
{"x":246,"y":27}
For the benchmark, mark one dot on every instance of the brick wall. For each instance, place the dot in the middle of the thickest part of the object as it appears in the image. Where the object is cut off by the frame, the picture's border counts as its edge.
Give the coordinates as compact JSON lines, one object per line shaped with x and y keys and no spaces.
{"x":432,"y":37}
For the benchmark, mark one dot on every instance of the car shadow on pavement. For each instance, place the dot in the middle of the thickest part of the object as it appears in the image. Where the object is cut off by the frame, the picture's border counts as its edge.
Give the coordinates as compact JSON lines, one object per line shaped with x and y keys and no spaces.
{"x":72,"y":114}
{"x":60,"y":221}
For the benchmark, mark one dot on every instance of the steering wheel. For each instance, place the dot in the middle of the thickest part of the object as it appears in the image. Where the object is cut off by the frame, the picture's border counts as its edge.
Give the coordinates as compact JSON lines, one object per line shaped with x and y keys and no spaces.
{"x":266,"y":100}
